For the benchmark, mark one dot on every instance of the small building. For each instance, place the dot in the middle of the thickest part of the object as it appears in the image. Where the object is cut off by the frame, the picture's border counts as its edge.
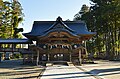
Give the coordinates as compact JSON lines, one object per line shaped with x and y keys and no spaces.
{"x":57,"y":41}
{"x":12,"y":46}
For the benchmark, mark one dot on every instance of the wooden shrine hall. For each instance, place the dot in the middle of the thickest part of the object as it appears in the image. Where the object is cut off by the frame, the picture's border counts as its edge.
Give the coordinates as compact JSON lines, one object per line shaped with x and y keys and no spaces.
{"x":57,"y":41}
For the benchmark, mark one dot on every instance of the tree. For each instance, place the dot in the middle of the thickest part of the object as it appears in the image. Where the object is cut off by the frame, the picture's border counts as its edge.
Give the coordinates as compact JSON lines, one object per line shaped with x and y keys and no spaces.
{"x":17,"y":17}
{"x":83,"y":10}
{"x":10,"y":17}
{"x":104,"y":18}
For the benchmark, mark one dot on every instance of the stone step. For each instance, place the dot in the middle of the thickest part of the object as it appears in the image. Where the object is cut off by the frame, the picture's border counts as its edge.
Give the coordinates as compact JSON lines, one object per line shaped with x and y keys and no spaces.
{"x":70,"y":64}
{"x":49,"y":64}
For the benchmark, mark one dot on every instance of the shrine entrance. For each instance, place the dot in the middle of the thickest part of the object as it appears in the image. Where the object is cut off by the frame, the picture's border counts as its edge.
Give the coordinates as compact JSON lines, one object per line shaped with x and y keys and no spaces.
{"x":59,"y":54}
{"x":58,"y":57}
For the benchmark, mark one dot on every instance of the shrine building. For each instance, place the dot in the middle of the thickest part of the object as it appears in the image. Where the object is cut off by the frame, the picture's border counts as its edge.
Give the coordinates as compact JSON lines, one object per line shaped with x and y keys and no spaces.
{"x":56,"y":41}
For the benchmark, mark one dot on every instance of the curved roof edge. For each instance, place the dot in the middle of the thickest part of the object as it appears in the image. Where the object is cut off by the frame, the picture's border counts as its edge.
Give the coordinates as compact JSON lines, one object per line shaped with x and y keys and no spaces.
{"x":41,"y":28}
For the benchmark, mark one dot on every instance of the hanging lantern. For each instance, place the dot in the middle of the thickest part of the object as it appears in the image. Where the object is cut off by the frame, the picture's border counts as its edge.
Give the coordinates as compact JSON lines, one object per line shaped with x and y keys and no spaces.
{"x":75,"y":46}
{"x":44,"y":47}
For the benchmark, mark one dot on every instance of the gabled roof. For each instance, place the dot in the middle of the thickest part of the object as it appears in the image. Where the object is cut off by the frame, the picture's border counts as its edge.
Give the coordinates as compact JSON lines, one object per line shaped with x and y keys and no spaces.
{"x":41,"y":28}
{"x":59,"y":25}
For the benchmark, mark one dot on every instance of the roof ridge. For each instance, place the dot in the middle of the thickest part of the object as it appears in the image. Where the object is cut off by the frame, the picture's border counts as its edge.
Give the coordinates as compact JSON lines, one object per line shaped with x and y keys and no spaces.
{"x":59,"y":20}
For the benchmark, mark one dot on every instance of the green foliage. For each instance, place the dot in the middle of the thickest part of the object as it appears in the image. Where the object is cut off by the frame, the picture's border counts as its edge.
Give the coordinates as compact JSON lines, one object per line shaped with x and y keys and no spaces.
{"x":103,"y":17}
{"x":83,"y":10}
{"x":10,"y":17}
{"x":17,"y":56}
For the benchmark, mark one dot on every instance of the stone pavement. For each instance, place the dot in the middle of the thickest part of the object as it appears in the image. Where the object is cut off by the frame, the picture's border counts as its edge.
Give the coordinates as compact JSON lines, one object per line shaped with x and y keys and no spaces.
{"x":104,"y":69}
{"x":65,"y":72}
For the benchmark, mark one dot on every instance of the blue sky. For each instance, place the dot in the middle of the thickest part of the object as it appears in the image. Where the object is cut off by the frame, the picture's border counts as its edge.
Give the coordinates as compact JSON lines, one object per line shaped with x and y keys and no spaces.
{"x":49,"y":10}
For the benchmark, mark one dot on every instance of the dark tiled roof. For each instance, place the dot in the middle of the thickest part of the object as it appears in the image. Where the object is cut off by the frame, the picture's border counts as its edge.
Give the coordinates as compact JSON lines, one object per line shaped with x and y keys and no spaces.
{"x":15,"y":41}
{"x":41,"y":28}
{"x":59,"y":25}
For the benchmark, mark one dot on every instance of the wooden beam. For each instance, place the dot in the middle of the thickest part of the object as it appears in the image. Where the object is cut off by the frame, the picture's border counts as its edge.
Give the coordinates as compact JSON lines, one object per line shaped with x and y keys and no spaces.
{"x":58,"y":38}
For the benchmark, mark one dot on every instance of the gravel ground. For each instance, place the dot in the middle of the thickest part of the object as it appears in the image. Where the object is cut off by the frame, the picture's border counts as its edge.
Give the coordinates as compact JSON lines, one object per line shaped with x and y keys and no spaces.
{"x":13,"y":69}
{"x":104,"y":69}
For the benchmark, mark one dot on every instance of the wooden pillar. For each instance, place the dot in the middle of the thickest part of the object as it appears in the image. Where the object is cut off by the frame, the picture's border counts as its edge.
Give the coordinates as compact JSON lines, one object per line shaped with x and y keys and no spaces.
{"x":80,"y":59}
{"x":28,"y":46}
{"x":37,"y":63}
{"x":13,"y":50}
{"x":32,"y":57}
{"x":70,"y":52}
{"x":23,"y":58}
{"x":48,"y":55}
{"x":20,"y":45}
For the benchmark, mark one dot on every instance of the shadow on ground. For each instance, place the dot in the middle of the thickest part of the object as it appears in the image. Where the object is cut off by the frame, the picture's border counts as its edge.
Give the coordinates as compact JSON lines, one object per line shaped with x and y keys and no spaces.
{"x":102,"y":72}
{"x":14,"y":69}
